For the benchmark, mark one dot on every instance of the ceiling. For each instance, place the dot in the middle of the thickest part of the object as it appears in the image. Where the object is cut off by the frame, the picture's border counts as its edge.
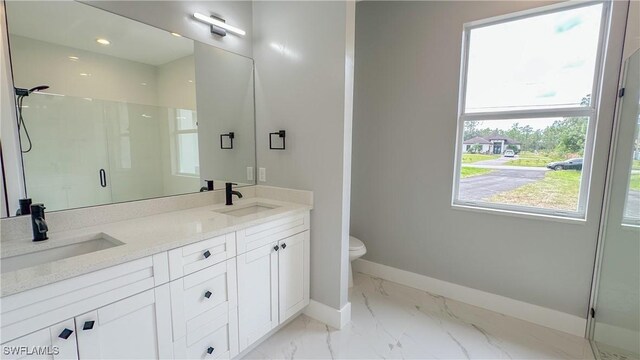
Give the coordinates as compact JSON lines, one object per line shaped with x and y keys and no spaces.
{"x":77,"y":25}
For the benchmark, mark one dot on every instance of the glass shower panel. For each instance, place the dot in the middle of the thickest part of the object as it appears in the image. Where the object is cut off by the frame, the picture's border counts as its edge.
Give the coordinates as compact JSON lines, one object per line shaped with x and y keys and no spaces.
{"x":62,"y":170}
{"x":616,"y":325}
{"x":135,"y":161}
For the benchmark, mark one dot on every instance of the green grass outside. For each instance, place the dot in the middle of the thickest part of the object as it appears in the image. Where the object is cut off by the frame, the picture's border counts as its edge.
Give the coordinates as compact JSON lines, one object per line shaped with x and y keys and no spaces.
{"x":471,"y":158}
{"x":466,"y":171}
{"x":557,"y":190}
{"x":634,"y":183}
{"x":635,"y":165}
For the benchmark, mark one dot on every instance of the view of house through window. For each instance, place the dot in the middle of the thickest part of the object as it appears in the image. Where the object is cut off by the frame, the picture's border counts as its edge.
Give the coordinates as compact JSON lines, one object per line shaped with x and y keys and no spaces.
{"x":524,"y":126}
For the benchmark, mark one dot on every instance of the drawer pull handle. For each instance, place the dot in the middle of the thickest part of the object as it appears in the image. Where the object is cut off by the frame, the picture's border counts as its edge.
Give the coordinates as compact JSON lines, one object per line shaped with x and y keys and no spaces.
{"x":65,"y":333}
{"x":208,"y":294}
{"x":284,"y":246}
{"x":210,"y":350}
{"x":206,"y":254}
{"x":88,"y":325}
{"x":276,"y":248}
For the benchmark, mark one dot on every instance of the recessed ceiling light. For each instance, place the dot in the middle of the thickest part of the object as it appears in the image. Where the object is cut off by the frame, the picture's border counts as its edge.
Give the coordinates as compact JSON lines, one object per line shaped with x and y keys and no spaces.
{"x":143,"y":84}
{"x":74,"y":58}
{"x":102,"y":41}
{"x":85,"y":74}
{"x":190,"y":81}
{"x":176,"y":34}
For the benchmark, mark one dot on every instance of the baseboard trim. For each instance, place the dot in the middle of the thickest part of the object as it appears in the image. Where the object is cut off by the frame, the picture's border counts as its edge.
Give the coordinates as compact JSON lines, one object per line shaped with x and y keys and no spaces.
{"x":328,"y":315}
{"x":536,"y":314}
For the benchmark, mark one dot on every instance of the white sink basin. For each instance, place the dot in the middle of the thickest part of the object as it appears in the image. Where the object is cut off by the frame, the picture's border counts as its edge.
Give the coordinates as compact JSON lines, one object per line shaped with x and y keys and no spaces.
{"x":249,"y":209}
{"x":83,"y":246}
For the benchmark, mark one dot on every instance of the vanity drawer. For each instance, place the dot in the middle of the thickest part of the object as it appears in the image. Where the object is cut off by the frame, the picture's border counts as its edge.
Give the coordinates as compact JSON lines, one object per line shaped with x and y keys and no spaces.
{"x":264,"y":234}
{"x":191,"y":258}
{"x":211,"y":289}
{"x":214,"y":335}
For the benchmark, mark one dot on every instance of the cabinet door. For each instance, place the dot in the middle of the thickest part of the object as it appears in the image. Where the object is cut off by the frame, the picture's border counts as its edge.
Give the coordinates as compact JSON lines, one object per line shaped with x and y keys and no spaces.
{"x":257,"y":293}
{"x":138,"y":327}
{"x":57,"y":342}
{"x":293,"y":270}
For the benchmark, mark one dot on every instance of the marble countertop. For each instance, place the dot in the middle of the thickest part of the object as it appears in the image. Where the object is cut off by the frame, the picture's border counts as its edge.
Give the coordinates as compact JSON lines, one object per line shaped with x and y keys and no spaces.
{"x":142,"y":237}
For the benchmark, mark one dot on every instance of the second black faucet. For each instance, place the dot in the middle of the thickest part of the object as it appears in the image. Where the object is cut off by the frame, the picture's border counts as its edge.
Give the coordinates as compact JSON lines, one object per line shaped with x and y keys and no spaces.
{"x":230,"y":192}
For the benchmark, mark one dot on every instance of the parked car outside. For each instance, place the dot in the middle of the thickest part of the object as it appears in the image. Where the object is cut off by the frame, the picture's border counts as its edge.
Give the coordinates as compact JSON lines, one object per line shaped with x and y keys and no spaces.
{"x":573,"y":164}
{"x":509,"y":153}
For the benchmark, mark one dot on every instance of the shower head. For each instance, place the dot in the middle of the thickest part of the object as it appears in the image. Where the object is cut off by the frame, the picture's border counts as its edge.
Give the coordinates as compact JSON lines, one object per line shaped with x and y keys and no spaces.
{"x":20,"y":92}
{"x":38,"y":88}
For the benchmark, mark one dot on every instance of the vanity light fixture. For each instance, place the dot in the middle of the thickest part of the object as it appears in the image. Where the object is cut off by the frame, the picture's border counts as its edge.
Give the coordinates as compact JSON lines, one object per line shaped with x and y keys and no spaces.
{"x":102,"y":41}
{"x":219,"y":26}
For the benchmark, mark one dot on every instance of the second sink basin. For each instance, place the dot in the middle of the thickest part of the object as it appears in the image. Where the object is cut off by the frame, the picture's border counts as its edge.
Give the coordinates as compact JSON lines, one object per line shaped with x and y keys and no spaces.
{"x":249,"y":209}
{"x":83,"y":246}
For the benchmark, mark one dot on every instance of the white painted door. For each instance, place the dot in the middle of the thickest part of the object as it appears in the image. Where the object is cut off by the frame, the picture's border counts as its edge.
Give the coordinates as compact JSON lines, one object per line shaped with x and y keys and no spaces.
{"x":257,"y":293}
{"x":138,"y":327}
{"x":293,"y":269}
{"x":57,"y":342}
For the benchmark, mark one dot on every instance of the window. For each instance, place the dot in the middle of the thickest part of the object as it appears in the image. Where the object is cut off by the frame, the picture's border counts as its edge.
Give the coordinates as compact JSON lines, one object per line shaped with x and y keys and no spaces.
{"x":528,"y":102}
{"x":186,"y":136}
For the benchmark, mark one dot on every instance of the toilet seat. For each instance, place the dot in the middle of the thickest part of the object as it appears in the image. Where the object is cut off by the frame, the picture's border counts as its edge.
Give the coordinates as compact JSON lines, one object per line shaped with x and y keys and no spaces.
{"x":355,"y":244}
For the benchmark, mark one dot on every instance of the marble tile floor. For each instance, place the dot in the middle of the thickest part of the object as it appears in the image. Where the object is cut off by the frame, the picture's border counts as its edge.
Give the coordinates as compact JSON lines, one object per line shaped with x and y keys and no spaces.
{"x":392,"y":321}
{"x":606,"y":352}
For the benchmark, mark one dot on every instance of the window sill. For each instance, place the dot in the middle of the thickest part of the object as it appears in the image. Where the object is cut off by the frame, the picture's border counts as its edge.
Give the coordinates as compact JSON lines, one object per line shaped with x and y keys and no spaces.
{"x":520,"y":214}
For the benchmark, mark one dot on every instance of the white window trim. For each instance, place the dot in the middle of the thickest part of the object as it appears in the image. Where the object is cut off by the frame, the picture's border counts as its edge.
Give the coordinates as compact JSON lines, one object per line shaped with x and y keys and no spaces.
{"x":175,"y":148}
{"x":592,"y":111}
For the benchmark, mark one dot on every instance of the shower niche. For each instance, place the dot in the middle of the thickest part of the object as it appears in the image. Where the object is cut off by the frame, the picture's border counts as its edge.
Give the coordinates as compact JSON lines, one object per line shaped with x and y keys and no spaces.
{"x":131,"y":111}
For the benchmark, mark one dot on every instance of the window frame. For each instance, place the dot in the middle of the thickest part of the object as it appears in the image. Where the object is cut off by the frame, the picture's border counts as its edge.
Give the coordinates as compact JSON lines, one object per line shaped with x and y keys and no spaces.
{"x":176,"y":133}
{"x":591,"y":111}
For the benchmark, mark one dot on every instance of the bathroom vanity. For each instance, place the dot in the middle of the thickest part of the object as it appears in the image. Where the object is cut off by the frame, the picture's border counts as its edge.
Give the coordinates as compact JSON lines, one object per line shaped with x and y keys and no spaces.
{"x":206,"y":282}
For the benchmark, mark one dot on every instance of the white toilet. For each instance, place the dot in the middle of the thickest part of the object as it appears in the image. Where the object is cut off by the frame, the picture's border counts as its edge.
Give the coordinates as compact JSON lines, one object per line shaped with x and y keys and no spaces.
{"x":356,"y":250}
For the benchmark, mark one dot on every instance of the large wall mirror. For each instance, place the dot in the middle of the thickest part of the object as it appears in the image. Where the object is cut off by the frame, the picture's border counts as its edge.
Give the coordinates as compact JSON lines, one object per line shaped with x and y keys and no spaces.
{"x":129,"y":111}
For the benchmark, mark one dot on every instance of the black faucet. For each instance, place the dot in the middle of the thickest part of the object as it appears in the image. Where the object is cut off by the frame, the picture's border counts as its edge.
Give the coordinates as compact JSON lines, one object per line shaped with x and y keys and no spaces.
{"x":38,"y":224}
{"x":209,"y":186}
{"x":230,"y":192}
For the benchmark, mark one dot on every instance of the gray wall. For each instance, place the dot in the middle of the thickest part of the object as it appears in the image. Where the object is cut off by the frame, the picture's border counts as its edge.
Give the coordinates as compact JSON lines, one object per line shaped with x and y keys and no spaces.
{"x":300,"y":50}
{"x":177,"y":16}
{"x":407,"y":75}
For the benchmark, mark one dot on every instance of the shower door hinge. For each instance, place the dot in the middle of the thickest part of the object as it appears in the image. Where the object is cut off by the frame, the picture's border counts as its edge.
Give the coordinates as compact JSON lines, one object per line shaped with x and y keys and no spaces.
{"x":621,"y":92}
{"x":592,"y":311}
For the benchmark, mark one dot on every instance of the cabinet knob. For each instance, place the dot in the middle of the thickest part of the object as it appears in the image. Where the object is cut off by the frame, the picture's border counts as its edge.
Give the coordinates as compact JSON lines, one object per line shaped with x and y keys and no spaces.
{"x":206,"y":254}
{"x":208,"y":294}
{"x":210,"y":350}
{"x":88,"y":325}
{"x":65,"y":333}
{"x":276,"y":248}
{"x":284,"y":245}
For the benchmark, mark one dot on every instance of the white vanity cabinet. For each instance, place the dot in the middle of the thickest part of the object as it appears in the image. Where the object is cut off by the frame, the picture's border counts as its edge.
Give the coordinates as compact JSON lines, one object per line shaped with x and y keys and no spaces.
{"x":204,"y":313}
{"x":273,"y":276}
{"x":208,"y":300}
{"x":56,"y":342}
{"x":137,"y":327}
{"x":128,"y":304}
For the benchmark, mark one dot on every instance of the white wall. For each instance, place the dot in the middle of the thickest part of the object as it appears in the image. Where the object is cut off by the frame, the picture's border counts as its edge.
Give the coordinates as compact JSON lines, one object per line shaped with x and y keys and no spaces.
{"x":177,"y":16}
{"x":407,"y":75}
{"x":301,"y":54}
